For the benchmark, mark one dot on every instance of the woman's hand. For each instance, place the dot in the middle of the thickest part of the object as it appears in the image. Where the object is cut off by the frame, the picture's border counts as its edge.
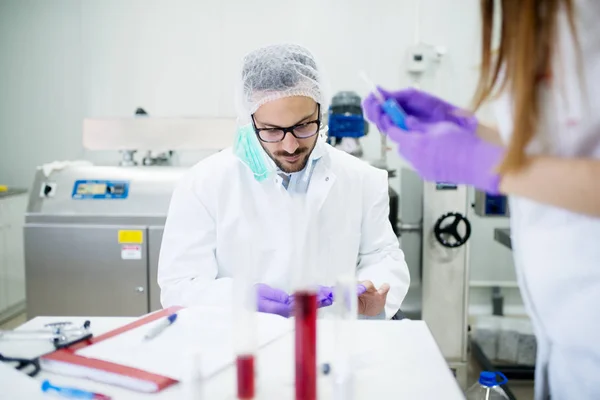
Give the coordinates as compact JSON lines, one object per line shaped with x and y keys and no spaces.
{"x":440,"y":145}
{"x":420,"y":107}
{"x":446,"y":152}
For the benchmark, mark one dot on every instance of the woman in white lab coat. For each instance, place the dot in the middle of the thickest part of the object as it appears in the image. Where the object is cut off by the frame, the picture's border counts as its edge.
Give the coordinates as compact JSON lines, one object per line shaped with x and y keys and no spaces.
{"x":545,"y":155}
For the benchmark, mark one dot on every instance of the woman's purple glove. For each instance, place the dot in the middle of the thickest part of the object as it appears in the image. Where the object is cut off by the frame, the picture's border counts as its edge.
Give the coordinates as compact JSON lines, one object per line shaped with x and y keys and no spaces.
{"x":441,"y":145}
{"x":273,"y":301}
{"x":420,"y":107}
{"x":443,"y":152}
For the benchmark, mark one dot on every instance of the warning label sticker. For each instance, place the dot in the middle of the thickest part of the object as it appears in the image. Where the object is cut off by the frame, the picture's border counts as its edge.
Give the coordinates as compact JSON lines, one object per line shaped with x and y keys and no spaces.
{"x":131,"y":252}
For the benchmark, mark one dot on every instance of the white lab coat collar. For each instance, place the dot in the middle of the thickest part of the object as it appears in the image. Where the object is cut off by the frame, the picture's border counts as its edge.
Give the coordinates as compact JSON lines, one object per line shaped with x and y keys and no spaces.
{"x":319,"y":150}
{"x":322,"y":178}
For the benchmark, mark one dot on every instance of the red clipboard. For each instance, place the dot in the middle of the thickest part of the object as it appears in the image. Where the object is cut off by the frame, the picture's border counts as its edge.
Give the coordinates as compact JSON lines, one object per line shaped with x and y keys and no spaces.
{"x":66,"y":362}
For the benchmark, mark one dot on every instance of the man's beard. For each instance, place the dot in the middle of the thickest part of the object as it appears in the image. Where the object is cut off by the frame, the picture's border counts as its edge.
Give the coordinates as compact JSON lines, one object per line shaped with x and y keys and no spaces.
{"x":296,"y":167}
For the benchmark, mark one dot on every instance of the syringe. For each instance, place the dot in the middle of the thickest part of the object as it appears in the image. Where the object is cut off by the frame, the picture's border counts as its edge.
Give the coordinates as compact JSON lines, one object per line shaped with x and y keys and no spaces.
{"x":390,"y":106}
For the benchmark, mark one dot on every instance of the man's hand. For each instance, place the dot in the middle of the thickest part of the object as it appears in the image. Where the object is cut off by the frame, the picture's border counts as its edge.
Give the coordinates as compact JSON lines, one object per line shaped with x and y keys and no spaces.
{"x":372,"y":301}
{"x":276,"y":301}
{"x":324,"y":297}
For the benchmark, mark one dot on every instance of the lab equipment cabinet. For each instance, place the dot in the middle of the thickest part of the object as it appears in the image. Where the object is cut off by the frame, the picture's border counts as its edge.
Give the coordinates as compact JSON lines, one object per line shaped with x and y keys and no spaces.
{"x":92,"y":240}
{"x":12,"y":269}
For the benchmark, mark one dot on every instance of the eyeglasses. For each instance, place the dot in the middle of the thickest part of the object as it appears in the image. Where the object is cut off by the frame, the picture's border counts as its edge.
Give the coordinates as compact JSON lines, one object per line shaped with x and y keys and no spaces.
{"x":299,"y":131}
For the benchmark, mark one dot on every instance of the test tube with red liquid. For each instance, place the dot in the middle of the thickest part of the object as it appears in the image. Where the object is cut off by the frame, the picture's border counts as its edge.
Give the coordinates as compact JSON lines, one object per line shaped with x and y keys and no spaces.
{"x":245,"y":376}
{"x":305,"y":238}
{"x":245,"y":350}
{"x":305,"y":313}
{"x":244,"y":324}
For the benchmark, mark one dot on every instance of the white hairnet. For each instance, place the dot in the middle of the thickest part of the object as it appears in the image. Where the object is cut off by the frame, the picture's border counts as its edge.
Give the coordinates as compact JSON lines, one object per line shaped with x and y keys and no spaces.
{"x":277,"y":71}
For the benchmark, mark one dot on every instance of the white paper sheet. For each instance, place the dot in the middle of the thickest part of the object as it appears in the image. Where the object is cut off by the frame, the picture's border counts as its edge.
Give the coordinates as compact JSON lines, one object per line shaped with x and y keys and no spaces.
{"x":204,"y":331}
{"x":17,"y":385}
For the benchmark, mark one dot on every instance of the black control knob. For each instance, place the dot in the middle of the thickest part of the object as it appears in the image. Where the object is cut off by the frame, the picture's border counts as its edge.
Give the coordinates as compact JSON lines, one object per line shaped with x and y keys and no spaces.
{"x":446,"y":230}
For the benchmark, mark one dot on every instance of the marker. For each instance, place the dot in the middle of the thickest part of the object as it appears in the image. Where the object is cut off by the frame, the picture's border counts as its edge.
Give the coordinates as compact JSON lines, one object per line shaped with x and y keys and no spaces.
{"x":161,"y":327}
{"x":390,"y":106}
{"x":72,"y":393}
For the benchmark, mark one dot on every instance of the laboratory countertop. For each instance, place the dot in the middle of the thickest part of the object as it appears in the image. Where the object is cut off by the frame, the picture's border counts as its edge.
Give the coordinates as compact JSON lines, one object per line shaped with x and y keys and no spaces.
{"x":394,"y":359}
{"x":502,"y":235}
{"x":12,"y":192}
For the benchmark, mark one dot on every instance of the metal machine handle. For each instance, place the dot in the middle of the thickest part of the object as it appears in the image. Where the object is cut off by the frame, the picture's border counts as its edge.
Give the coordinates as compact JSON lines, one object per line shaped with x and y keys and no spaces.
{"x":444,"y":231}
{"x":140,"y":289}
{"x":410,"y":227}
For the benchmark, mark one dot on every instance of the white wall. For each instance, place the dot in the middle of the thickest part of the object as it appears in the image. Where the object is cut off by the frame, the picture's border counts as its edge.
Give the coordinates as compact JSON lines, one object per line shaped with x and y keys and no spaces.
{"x":40,"y":85}
{"x":63,"y":60}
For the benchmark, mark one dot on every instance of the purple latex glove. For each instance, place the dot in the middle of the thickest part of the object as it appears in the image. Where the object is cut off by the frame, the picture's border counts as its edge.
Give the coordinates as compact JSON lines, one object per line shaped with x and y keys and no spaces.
{"x":420,"y":107}
{"x":324,"y":297}
{"x":445,"y":152}
{"x":360,"y":289}
{"x":273,"y":301}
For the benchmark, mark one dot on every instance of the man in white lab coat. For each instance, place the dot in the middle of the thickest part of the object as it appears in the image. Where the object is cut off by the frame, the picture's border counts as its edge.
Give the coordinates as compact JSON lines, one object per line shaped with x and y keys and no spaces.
{"x":281,"y":205}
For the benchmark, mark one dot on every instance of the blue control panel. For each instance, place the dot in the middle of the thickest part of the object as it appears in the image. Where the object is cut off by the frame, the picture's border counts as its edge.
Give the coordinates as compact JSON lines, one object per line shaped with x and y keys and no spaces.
{"x":496,"y":205}
{"x":100,"y":190}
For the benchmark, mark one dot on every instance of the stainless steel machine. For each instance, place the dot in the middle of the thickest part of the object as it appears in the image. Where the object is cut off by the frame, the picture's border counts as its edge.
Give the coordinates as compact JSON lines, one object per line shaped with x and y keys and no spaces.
{"x":92,"y":240}
{"x":434,"y":234}
{"x":93,"y":233}
{"x":445,"y":280}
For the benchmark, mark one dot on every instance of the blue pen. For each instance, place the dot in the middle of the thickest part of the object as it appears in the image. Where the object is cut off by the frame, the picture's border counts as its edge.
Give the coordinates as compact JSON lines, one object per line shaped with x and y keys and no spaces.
{"x":161,"y":327}
{"x":72,"y":393}
{"x":390,"y":106}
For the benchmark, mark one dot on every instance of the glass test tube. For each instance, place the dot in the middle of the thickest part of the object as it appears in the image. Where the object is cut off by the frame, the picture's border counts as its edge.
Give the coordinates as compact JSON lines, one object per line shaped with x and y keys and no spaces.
{"x":192,"y":383}
{"x":244,"y":324}
{"x":389,"y":106}
{"x":341,"y":268}
{"x":305,"y":242}
{"x":345,"y":310}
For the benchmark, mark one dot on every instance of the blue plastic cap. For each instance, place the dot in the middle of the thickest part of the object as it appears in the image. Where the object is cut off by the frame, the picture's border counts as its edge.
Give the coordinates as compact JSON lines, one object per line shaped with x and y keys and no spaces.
{"x":487,"y":378}
{"x":172,"y":318}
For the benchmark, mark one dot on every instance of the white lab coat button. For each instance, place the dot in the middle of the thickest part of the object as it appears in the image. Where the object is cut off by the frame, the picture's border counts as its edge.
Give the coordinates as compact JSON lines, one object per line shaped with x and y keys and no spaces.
{"x":327,"y":179}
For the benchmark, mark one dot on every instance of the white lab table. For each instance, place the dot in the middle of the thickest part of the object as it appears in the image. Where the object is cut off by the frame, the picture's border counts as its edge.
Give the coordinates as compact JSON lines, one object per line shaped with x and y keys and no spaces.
{"x":394,"y":360}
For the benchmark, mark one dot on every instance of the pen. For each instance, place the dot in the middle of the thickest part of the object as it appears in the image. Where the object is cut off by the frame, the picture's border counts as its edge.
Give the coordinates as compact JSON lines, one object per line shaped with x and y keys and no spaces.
{"x":72,"y":393}
{"x":160,"y":327}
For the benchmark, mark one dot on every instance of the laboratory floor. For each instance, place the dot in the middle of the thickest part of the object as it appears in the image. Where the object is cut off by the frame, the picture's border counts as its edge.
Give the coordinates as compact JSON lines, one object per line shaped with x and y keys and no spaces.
{"x":523,"y":390}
